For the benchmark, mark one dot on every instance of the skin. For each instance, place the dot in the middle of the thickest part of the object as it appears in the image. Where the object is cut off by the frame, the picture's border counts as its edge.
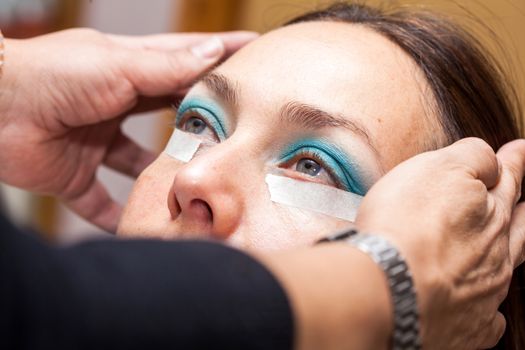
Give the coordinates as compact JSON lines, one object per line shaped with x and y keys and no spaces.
{"x":363,"y":77}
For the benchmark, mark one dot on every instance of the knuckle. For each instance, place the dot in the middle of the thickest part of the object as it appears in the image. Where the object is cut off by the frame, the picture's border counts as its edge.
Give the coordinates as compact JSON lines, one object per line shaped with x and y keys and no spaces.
{"x":480,"y":189}
{"x":481,"y":147}
{"x":476,"y":142}
{"x":473,"y":142}
{"x":476,"y":197}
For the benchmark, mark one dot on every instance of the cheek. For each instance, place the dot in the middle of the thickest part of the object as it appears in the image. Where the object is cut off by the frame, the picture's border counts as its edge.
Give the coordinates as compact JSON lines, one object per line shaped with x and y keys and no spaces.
{"x":146,"y":212}
{"x":282,"y":227}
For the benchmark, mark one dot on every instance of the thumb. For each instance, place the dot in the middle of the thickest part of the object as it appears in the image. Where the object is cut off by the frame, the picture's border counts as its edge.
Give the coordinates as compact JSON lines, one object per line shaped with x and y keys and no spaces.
{"x":154,"y":73}
{"x":494,"y":332}
{"x":517,"y":235}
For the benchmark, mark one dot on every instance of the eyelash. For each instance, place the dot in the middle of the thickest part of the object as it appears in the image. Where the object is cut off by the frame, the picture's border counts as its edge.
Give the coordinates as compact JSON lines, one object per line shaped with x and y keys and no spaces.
{"x":319,"y":157}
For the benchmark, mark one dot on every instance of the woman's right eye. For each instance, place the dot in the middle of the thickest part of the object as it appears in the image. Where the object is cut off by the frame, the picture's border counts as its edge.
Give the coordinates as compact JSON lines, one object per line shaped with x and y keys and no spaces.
{"x":194,"y":125}
{"x":202,"y":117}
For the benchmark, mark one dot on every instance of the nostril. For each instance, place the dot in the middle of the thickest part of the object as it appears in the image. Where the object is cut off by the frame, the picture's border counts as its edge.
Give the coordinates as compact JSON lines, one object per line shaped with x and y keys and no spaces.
{"x":173,"y":205}
{"x":201,"y":209}
{"x":211,"y":211}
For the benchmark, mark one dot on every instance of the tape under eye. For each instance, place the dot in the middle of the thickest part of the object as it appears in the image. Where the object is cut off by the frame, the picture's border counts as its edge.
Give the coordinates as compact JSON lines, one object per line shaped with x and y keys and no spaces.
{"x":183,"y":145}
{"x":313,"y":196}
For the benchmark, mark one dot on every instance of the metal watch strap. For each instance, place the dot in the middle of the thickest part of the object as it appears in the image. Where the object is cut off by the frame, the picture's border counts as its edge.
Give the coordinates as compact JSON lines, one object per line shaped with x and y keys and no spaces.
{"x":406,"y":317}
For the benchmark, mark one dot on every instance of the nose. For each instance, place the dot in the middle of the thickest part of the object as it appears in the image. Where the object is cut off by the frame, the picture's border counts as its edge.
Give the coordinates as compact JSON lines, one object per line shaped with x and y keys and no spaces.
{"x":206,"y":195}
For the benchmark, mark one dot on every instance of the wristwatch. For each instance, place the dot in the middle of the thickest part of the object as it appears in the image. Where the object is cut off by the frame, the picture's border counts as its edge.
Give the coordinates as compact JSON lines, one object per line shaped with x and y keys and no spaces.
{"x":406,"y":317}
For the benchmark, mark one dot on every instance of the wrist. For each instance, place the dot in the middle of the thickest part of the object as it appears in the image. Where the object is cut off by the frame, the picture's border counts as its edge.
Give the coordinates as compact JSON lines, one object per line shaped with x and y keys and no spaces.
{"x":340,"y":297}
{"x":15,"y":105}
{"x":9,"y":82}
{"x":370,"y":290}
{"x":406,"y":334}
{"x":406,"y":325}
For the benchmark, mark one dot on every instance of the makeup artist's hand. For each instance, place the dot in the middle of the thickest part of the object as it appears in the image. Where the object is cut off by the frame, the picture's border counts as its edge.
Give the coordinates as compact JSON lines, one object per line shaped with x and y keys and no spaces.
{"x":64,"y":95}
{"x":453,"y":215}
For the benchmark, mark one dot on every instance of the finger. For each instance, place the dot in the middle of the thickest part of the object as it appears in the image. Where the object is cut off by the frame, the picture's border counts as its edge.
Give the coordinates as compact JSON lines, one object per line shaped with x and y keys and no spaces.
{"x":494,"y":333}
{"x":517,"y":235}
{"x":147,"y":104}
{"x":127,"y":157}
{"x":156,"y":73}
{"x":176,"y":41}
{"x":478,"y":156}
{"x":96,"y":206}
{"x":512,"y":159}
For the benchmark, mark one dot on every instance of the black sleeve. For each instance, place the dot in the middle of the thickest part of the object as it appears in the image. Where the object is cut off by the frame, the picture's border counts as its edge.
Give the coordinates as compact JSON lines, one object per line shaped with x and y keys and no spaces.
{"x":137,"y":295}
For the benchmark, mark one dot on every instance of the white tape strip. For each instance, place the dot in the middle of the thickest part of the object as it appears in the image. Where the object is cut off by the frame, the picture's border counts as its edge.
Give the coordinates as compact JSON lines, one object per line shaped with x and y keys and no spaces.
{"x":313,"y":196}
{"x":182,"y":145}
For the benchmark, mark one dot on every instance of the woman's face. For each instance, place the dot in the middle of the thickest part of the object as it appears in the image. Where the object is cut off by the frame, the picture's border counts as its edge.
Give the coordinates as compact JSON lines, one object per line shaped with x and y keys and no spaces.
{"x":293,"y":100}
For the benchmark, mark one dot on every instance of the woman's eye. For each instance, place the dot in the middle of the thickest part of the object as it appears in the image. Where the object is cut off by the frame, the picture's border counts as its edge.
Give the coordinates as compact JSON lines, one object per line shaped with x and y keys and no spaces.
{"x":313,"y":165}
{"x":194,"y":125}
{"x":308,"y":166}
{"x":328,"y":167}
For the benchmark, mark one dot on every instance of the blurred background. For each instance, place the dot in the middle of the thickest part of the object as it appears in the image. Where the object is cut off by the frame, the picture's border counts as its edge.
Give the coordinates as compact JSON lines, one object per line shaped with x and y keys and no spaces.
{"x":27,"y":18}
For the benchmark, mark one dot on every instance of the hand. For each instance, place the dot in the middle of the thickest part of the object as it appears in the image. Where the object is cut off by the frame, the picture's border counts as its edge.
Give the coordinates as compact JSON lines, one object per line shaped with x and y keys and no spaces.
{"x":453,"y":215}
{"x":64,"y":95}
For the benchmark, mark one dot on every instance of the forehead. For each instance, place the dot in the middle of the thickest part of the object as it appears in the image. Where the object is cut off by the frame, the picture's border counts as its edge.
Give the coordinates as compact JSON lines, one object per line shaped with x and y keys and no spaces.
{"x":341,"y":68}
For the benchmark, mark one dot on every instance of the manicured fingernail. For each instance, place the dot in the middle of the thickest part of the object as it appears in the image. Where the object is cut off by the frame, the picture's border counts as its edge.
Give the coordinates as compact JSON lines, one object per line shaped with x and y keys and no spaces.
{"x":210,"y":48}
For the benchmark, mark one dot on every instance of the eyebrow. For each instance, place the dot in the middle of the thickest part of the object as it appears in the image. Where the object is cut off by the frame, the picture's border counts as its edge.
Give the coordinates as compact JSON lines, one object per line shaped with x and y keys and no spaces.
{"x":293,"y":112}
{"x":222,"y":87}
{"x":311,"y":117}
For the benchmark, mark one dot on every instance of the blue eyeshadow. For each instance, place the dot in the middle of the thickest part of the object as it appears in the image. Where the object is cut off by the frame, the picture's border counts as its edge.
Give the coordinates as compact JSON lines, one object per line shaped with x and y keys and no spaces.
{"x":208,"y":109}
{"x":338,"y":162}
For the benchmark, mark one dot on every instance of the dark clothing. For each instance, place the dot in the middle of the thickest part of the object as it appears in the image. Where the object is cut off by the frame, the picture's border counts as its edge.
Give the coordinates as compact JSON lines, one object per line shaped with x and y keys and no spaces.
{"x":143,"y":294}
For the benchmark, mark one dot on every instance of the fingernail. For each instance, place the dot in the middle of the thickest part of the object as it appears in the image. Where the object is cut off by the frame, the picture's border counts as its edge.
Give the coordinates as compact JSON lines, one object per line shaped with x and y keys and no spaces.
{"x":210,"y":48}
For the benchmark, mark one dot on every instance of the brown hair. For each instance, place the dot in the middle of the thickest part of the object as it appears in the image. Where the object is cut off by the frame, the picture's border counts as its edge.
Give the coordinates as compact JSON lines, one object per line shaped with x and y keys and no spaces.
{"x":472,"y":96}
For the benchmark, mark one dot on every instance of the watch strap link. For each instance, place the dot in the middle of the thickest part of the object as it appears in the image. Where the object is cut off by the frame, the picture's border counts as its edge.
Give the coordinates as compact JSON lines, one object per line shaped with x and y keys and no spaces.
{"x":406,"y":316}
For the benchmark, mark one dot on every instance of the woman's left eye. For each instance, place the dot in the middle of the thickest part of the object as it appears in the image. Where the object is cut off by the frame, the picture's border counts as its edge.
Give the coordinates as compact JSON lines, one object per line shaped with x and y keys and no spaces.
{"x":311,"y":164}
{"x":308,"y":166}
